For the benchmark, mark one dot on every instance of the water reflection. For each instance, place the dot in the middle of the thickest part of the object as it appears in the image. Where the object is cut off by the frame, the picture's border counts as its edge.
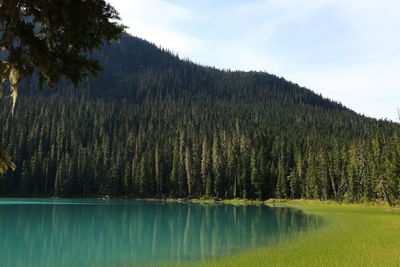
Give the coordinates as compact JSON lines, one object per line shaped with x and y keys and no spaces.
{"x":101,"y":233}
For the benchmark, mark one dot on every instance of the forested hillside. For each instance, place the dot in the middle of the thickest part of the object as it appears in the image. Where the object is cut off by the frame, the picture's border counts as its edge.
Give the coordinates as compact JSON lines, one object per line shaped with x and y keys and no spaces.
{"x":152,"y":125}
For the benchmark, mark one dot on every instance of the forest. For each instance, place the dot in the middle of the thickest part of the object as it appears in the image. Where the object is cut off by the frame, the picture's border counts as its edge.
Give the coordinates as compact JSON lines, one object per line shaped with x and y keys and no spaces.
{"x":154,"y":125}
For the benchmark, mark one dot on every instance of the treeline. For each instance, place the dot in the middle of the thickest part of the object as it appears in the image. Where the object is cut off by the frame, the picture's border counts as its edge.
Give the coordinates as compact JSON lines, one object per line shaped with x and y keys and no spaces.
{"x":69,"y":146}
{"x":152,"y":125}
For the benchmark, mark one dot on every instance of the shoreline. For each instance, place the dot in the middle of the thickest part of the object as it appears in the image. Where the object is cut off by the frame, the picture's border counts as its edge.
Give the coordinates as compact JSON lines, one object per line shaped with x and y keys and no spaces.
{"x":235,"y":201}
{"x":357,"y":235}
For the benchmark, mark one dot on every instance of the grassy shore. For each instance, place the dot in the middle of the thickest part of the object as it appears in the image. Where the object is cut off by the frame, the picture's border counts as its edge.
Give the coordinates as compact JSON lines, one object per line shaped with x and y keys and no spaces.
{"x":355,"y":235}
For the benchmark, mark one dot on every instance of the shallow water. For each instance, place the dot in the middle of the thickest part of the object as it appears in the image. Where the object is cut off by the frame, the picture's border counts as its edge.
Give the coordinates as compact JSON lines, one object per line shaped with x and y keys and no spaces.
{"x":80,"y":232}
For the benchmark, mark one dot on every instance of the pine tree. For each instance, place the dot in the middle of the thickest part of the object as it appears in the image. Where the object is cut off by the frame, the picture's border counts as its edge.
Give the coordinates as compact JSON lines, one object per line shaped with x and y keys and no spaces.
{"x":205,"y":169}
{"x":217,"y":167}
{"x":174,"y":176}
{"x":189,"y":172}
{"x":158,"y":173}
{"x":254,"y":173}
{"x":354,"y":174}
{"x":295,"y":177}
{"x":142,"y":176}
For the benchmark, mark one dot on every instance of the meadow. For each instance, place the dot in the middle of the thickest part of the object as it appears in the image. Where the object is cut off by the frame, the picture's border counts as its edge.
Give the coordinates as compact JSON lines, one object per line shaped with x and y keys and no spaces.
{"x":354,"y":235}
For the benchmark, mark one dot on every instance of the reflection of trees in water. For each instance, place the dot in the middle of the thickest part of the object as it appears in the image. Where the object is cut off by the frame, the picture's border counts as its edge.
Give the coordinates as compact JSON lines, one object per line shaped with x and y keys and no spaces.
{"x":291,"y":220}
{"x":136,"y":231}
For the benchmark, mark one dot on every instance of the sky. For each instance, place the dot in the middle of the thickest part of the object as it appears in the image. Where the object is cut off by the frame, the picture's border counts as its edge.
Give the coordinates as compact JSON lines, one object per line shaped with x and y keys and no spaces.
{"x":347,"y":50}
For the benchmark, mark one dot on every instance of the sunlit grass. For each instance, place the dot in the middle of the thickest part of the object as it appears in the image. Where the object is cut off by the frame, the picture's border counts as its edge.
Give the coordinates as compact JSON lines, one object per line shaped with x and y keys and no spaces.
{"x":354,"y":235}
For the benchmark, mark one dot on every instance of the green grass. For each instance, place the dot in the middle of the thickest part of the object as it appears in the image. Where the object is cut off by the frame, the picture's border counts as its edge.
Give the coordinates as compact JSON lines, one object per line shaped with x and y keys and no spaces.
{"x":355,"y":235}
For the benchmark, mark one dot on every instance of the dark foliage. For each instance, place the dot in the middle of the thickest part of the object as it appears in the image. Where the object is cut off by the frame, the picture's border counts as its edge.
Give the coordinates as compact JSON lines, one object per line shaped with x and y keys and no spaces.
{"x":52,"y":36}
{"x":152,"y":125}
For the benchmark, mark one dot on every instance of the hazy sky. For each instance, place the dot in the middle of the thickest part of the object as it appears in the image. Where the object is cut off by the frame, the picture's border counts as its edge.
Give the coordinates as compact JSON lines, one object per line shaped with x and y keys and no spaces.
{"x":347,"y":50}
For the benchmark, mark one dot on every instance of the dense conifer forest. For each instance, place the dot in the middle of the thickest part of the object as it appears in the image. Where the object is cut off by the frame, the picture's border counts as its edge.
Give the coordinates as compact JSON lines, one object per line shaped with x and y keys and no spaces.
{"x":153,"y":125}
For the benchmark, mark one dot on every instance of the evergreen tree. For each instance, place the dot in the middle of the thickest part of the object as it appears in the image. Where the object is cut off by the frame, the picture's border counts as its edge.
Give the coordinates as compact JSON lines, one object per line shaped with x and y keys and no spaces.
{"x":152,"y":125}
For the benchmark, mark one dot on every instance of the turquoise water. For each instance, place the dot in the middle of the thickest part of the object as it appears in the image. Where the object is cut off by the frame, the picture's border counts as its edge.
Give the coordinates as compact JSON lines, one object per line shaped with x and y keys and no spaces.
{"x":77,"y":232}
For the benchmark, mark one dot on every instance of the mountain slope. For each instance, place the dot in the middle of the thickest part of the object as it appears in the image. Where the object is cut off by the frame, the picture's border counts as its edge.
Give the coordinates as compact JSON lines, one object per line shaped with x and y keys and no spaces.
{"x":154,"y":125}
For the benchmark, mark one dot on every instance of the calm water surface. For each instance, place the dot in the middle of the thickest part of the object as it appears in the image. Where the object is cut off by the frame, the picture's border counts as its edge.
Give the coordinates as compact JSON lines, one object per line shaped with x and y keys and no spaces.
{"x":65,"y":232}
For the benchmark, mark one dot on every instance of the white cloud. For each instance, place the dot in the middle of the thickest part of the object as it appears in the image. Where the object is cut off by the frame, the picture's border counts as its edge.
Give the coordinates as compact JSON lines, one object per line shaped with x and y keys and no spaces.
{"x":370,"y":89}
{"x":368,"y":80}
{"x":158,"y":21}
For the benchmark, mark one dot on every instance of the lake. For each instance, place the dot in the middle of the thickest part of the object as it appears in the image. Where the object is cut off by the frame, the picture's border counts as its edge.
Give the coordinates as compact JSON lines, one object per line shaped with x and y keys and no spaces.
{"x":81,"y":232}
